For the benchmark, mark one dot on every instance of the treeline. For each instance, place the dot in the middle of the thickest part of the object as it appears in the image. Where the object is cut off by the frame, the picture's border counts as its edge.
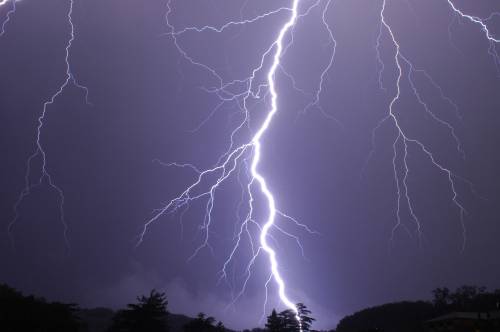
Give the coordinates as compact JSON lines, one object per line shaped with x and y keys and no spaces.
{"x":150,"y":314}
{"x":289,"y":321}
{"x":465,"y":298}
{"x":411,"y":316}
{"x":19,"y":313}
{"x":29,"y":313}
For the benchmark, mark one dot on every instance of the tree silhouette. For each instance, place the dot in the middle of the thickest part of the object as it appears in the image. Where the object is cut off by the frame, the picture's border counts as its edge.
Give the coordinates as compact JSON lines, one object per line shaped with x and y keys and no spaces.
{"x":465,"y":298}
{"x":274,"y":322}
{"x":149,"y":314}
{"x":441,"y":298}
{"x":289,"y":319}
{"x":305,"y":319}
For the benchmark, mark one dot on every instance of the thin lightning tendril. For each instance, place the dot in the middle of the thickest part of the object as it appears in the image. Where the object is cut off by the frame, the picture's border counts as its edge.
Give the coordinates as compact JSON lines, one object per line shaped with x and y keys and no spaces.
{"x":9,"y":14}
{"x":333,"y":43}
{"x":402,"y":190}
{"x":39,"y":152}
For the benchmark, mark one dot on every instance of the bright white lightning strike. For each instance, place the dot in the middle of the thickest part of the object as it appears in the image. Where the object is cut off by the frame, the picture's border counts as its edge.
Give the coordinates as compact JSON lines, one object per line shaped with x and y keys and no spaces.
{"x":256,"y":159}
{"x":235,"y":155}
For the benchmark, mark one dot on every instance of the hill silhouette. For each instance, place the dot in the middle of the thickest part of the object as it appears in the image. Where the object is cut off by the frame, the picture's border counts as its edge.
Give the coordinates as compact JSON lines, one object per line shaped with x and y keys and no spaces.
{"x":410,"y":316}
{"x":393,"y":317}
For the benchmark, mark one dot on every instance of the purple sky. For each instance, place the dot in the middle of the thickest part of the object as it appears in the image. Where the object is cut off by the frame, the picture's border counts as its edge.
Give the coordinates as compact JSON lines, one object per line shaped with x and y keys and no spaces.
{"x":146,"y":101}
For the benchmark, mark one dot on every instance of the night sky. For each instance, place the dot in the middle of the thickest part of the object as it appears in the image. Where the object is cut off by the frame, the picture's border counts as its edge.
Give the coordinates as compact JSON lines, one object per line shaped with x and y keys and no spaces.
{"x":148,"y":103}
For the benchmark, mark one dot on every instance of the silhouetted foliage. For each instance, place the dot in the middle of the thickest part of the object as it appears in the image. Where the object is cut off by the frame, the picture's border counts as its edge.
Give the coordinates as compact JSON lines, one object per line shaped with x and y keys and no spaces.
{"x":201,"y":323}
{"x":204,"y":323}
{"x":465,"y":298}
{"x":28,"y":313}
{"x":286,"y":321}
{"x":20,"y":313}
{"x":441,"y":298}
{"x":220,"y":327}
{"x":149,"y":314}
{"x":305,"y":319}
{"x":274,"y":322}
{"x":290,"y":322}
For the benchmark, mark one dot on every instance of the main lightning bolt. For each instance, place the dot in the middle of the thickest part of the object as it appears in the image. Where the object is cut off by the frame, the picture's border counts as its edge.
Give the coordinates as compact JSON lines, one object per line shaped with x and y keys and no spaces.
{"x":39,"y":152}
{"x":256,"y":158}
{"x":247,"y":155}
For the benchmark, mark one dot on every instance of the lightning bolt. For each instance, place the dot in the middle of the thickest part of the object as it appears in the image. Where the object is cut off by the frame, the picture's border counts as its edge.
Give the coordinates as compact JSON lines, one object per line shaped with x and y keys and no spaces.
{"x":39,"y":152}
{"x":9,"y":14}
{"x":256,"y":159}
{"x":247,"y":155}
